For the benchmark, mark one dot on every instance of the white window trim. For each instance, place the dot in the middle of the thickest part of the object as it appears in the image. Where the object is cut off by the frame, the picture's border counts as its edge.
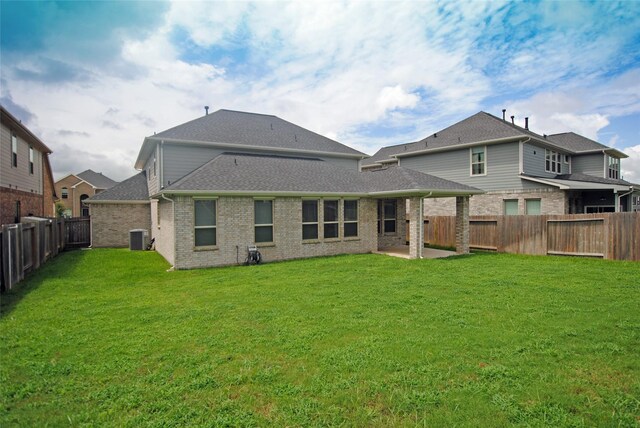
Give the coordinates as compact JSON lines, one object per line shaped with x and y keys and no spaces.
{"x":273,"y":232}
{"x":484,"y":148}
{"x":317,"y":222}
{"x":557,"y":162}
{"x":215,"y":226}
{"x":32,"y":164}
{"x":616,"y":169}
{"x":14,"y":149}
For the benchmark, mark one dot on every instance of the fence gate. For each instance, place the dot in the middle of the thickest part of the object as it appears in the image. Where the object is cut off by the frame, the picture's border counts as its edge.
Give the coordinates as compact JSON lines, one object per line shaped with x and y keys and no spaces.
{"x":77,"y":232}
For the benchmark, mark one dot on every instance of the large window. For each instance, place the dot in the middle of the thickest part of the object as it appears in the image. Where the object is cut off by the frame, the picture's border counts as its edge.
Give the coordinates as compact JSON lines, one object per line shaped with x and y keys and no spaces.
{"x":14,"y":150}
{"x":552,"y":161}
{"x":263,"y":220}
{"x":614,"y":167}
{"x":510,"y":207}
{"x":532,"y":206}
{"x":350,"y":218}
{"x":310,"y":219}
{"x":478,"y":160}
{"x":83,"y":206}
{"x":205,"y":222}
{"x":331,"y":218}
{"x":65,"y":193}
{"x":30,"y":160}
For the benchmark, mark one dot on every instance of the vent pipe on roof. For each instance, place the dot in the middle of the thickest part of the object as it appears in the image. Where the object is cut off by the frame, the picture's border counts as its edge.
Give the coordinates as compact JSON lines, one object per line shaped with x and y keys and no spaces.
{"x":435,"y":135}
{"x":526,"y":123}
{"x":504,"y":114}
{"x":206,"y":110}
{"x":513,"y":122}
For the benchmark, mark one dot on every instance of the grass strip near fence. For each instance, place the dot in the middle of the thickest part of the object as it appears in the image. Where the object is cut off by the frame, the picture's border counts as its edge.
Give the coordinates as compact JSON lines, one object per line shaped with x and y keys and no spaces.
{"x":109,"y":338}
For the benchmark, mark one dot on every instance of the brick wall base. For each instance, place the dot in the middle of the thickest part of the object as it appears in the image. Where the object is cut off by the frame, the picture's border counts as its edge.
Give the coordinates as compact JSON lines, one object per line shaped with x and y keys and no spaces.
{"x":31,"y":204}
{"x":111,"y":223}
{"x":492,"y":203}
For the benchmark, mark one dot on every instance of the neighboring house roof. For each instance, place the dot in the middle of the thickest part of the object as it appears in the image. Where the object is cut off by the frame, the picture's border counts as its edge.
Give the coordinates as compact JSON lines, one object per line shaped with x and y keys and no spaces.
{"x":132,"y":189}
{"x":577,"y":143}
{"x":96,"y":179}
{"x":258,"y":131}
{"x":234,"y":173}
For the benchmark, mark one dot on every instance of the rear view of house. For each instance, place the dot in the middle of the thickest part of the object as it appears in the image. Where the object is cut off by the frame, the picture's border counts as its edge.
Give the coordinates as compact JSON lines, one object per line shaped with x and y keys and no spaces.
{"x":26,"y":181}
{"x":229,"y":180}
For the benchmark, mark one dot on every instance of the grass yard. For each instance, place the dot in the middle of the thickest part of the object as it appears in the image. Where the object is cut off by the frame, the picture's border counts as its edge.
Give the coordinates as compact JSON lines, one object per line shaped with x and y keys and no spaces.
{"x":109,"y":338}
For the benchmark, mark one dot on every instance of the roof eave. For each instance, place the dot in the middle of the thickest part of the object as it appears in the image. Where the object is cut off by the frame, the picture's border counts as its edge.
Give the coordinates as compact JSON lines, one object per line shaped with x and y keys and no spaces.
{"x":115,"y":201}
{"x":461,"y":146}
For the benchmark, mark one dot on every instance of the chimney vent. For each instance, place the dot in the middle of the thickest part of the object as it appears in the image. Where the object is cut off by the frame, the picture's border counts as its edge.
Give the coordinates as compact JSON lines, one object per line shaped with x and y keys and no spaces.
{"x":504,"y":114}
{"x":206,"y":110}
{"x":526,"y":123}
{"x":435,"y":135}
{"x":513,"y":122}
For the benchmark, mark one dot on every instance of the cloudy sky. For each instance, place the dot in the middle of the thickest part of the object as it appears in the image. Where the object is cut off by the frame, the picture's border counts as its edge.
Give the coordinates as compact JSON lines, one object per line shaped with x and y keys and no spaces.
{"x":92,"y":79}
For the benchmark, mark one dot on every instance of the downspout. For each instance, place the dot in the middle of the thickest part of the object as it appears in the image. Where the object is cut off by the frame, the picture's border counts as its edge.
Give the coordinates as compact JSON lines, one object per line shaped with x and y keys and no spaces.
{"x":631,"y":190}
{"x":173,"y":210}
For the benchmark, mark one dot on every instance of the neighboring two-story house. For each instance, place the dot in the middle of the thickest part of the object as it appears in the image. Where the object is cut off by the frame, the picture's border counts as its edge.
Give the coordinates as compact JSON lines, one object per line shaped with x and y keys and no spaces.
{"x":213,"y":186}
{"x":26,"y":181}
{"x":522,"y":172}
{"x":74,"y":189}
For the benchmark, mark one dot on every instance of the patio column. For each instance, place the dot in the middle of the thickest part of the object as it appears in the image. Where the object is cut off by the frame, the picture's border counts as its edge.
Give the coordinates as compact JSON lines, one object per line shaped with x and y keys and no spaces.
{"x":416,"y":229}
{"x":462,"y":224}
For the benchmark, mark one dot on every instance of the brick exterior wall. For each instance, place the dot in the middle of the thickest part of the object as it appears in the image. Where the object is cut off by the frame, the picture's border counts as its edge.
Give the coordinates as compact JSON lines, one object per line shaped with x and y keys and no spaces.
{"x":416,"y":229}
{"x":235,"y":231}
{"x":49,"y":209}
{"x":462,"y":224}
{"x":111,"y":223}
{"x":30,"y":204}
{"x":492,"y":203}
{"x":164,"y":231}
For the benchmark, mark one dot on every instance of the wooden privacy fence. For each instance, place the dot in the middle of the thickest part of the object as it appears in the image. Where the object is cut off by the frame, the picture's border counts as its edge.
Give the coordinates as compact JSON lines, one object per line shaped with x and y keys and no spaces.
{"x":24,"y":247}
{"x":607,"y":235}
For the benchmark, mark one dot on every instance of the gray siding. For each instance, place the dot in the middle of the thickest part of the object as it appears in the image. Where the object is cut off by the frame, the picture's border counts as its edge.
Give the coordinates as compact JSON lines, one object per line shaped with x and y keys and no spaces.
{"x":153,"y":180}
{"x":502,"y":167}
{"x":592,"y":164}
{"x":180,"y":160}
{"x":19,"y":177}
{"x":534,"y":162}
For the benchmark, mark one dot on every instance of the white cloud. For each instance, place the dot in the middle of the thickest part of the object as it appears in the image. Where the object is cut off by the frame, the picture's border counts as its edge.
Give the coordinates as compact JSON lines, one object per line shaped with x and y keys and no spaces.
{"x":631,"y":165}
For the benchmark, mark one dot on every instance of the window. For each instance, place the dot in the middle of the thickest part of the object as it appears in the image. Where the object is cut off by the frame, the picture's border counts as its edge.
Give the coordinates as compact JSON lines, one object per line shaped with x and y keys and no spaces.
{"x":567,"y":158}
{"x":205,"y":222}
{"x":532,"y":206}
{"x":263,"y":219}
{"x":65,"y":193}
{"x":18,"y":214}
{"x":387,"y":215}
{"x":350,"y":218}
{"x":510,"y":207}
{"x":552,"y":161}
{"x":14,"y":150}
{"x":614,"y":167}
{"x":310,"y":219}
{"x":30,"y":160}
{"x":478,"y":160}
{"x":84,"y":207}
{"x":154,"y":166}
{"x":331,"y":219}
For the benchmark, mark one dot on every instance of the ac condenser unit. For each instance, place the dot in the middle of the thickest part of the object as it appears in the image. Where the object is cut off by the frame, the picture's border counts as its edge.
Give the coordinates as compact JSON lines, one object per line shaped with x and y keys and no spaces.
{"x":137,"y":241}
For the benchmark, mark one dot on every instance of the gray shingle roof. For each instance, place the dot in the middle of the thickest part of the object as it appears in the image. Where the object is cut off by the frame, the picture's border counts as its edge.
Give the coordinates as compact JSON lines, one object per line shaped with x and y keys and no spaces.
{"x":132,"y":189}
{"x":243,"y":173}
{"x":96,"y":179}
{"x":260,"y":130}
{"x":592,"y":179}
{"x":481,"y":126}
{"x":575,"y":142}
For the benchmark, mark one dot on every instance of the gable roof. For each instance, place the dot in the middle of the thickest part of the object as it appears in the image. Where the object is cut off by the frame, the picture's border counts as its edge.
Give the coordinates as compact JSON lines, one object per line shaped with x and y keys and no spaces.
{"x":16,"y":125}
{"x":229,"y":128}
{"x":96,"y":179}
{"x":577,"y":143}
{"x":235,"y":173}
{"x":482,"y":128}
{"x":132,"y":189}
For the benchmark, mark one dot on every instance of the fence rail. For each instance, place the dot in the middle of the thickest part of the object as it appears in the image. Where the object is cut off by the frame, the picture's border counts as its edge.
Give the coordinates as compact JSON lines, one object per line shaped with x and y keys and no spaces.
{"x":25,"y":246}
{"x":606,"y":235}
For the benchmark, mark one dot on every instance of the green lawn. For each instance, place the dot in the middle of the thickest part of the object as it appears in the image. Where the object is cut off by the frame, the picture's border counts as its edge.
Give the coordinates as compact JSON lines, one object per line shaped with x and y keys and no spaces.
{"x":110,"y":338}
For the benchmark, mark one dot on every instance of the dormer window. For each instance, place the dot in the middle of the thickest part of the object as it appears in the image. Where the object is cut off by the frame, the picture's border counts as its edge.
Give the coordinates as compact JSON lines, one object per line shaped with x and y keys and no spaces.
{"x":614,"y":168}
